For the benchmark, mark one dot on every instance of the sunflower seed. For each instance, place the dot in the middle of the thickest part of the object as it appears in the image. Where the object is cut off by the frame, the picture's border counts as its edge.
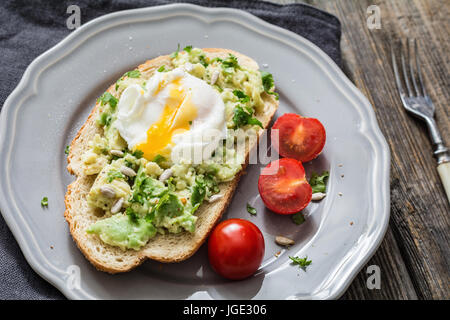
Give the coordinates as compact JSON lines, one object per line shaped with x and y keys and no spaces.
{"x":214,"y":77}
{"x":283,"y":241}
{"x":116,"y":153}
{"x":127,"y":171}
{"x":165,"y":175}
{"x":117,"y":206}
{"x":215,"y":197}
{"x":108,"y":191}
{"x":318,"y":196}
{"x":188,"y":67}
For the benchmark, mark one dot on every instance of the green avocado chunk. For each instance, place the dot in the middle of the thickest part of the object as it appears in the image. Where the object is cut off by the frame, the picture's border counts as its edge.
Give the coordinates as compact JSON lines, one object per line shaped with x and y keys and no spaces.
{"x":119,"y":230}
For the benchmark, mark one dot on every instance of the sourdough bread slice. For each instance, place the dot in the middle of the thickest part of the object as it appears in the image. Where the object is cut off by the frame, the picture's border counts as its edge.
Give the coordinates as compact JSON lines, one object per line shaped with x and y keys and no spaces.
{"x":163,"y":248}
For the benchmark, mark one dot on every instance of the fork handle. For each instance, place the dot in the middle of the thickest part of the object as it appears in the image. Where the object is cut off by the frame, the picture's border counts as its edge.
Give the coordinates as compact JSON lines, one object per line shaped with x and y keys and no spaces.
{"x":444,"y":172}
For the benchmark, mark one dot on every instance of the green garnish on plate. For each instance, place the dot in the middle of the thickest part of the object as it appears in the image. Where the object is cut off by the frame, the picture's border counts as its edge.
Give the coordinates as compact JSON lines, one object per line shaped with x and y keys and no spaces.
{"x":44,"y":202}
{"x":301,"y":262}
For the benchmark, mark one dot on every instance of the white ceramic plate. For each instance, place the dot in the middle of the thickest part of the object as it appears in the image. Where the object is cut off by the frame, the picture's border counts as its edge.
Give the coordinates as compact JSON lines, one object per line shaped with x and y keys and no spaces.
{"x":58,"y":90}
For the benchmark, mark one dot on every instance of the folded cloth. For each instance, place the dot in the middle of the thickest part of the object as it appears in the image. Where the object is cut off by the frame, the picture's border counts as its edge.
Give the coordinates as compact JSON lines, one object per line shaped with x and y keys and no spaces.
{"x":30,"y":28}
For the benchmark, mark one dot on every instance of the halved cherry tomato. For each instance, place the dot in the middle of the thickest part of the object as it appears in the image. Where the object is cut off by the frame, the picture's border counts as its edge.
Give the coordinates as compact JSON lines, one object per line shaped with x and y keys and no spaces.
{"x":299,"y":138}
{"x":283,"y":186}
{"x":236,"y":249}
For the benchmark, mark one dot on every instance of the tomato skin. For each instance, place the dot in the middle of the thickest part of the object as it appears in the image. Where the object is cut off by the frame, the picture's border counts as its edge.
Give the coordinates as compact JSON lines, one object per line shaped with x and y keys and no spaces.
{"x":298,"y":137}
{"x":283,"y":186}
{"x":236,"y":249}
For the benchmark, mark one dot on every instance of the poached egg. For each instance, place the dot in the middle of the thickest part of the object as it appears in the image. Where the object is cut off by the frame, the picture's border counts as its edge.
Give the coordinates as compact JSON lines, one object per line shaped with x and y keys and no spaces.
{"x":176,"y":115}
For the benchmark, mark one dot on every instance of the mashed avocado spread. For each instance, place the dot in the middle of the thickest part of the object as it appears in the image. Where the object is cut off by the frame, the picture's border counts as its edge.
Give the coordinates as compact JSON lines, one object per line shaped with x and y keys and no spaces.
{"x":142,"y":197}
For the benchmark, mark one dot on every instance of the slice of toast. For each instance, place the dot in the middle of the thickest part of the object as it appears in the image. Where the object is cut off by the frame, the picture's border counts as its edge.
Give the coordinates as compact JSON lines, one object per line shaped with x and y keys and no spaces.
{"x":164,"y":248}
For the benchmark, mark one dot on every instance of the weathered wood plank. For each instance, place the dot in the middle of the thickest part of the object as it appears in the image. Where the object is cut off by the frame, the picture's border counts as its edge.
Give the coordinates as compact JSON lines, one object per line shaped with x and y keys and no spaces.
{"x":395,"y":280}
{"x":416,"y":249}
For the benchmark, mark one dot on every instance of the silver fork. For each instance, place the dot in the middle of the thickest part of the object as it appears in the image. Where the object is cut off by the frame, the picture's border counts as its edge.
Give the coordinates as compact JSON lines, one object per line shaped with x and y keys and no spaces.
{"x":417,"y":102}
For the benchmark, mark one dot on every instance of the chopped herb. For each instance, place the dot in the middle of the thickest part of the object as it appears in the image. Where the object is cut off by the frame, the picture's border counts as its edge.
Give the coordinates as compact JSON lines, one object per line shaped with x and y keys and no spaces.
{"x":159,"y":158}
{"x":242,"y":118}
{"x":108,"y":98}
{"x":268,"y":83}
{"x":190,"y":122}
{"x":203,"y":60}
{"x":175,"y":54}
{"x":132,"y":215}
{"x":230,"y":62}
{"x":138,"y":154}
{"x":44,"y":202}
{"x":168,"y":205}
{"x":301,"y":262}
{"x":133,"y":74}
{"x":241,"y":96}
{"x":298,"y":218}
{"x":67,"y":150}
{"x":162,"y":68}
{"x":114,"y":174}
{"x":105,"y":119}
{"x":319,"y":182}
{"x":188,"y":49}
{"x":251,"y":210}
{"x":204,"y":186}
{"x":145,"y":187}
{"x":198,"y":193}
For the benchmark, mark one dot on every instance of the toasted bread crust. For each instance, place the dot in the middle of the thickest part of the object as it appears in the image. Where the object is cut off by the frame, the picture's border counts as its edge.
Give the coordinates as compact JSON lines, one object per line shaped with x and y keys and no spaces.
{"x":164,"y":248}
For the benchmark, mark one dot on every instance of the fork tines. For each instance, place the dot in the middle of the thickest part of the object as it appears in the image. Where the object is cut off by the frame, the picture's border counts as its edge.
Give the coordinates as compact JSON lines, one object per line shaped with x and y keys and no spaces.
{"x":409,"y":73}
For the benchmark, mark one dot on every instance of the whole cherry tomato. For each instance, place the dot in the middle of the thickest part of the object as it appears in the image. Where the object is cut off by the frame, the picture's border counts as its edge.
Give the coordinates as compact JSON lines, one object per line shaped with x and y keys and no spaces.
{"x":236,"y":249}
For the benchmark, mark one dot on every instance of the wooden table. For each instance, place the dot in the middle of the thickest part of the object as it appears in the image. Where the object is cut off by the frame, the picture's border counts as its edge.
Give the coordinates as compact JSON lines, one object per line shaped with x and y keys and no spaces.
{"x":414,"y":255}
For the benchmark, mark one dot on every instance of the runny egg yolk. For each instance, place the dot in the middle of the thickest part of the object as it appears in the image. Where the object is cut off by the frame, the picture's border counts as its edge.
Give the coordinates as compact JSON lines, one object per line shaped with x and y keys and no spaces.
{"x":176,"y":117}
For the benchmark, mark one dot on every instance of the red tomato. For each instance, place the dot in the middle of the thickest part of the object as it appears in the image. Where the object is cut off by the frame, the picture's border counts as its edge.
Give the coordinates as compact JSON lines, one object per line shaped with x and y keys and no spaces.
{"x":299,"y":138}
{"x":283,"y":186}
{"x":236,"y":249}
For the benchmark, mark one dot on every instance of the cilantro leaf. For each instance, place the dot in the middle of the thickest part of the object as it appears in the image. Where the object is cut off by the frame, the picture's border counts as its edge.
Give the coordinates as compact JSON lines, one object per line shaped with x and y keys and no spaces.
{"x":254,"y":122}
{"x":44,"y":202}
{"x":298,"y":218}
{"x":114,"y":174}
{"x":267,"y":80}
{"x":145,"y":187}
{"x":108,"y":98}
{"x":67,"y":150}
{"x":198,"y":193}
{"x":241,"y":96}
{"x":242,"y":118}
{"x":138,"y":154}
{"x":203,"y":60}
{"x":268,"y":83}
{"x":230,"y":62}
{"x":132,"y":215}
{"x":133,"y":74}
{"x":301,"y":262}
{"x":319,"y":182}
{"x":159,"y":158}
{"x":188,"y":49}
{"x":251,"y":210}
{"x":168,"y":205}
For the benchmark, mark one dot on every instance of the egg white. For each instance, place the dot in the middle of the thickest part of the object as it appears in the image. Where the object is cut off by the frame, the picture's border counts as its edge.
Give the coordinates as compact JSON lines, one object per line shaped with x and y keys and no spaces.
{"x":141,"y":108}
